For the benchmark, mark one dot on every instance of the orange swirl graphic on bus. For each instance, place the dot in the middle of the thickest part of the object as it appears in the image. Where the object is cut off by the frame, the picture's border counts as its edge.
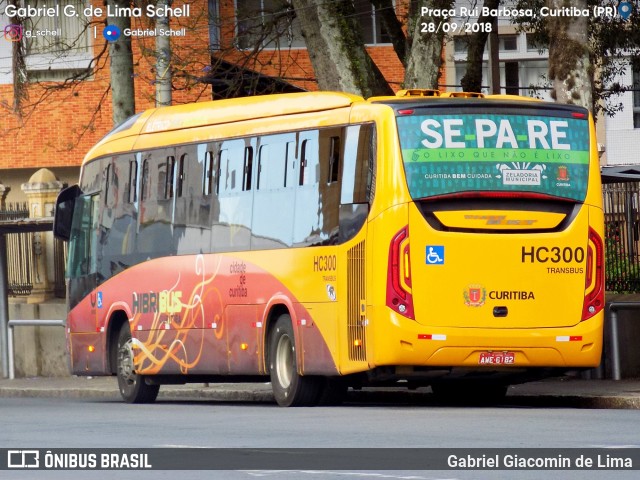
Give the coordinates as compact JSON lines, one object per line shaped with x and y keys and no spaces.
{"x":174,"y":324}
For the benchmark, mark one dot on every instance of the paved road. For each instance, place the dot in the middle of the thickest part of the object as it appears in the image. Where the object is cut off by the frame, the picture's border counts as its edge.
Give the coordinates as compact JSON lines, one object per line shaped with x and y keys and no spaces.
{"x":90,"y":423}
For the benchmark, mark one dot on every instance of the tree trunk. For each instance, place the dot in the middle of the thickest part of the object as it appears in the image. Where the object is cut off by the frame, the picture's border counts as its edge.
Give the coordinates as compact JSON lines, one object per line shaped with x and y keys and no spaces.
{"x":425,"y":57}
{"x":163,"y":59}
{"x":18,"y":62}
{"x":335,"y":46}
{"x":393,"y":26}
{"x":121,"y":62}
{"x":570,"y":70}
{"x":472,"y":79}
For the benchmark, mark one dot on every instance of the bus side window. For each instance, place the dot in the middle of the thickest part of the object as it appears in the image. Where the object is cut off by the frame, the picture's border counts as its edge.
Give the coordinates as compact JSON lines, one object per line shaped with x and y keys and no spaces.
{"x":357,"y":171}
{"x":303,"y":160}
{"x":180,"y":175}
{"x":334,"y":159}
{"x":107,"y":181}
{"x":169,"y":176}
{"x":309,"y":163}
{"x":83,"y":246}
{"x":218,"y":173}
{"x":131,"y":195}
{"x":232,"y":164}
{"x":112,"y":174}
{"x":290,"y":164}
{"x":144,"y":184}
{"x":223,"y":166}
{"x":209,"y":173}
{"x":354,"y":201}
{"x":248,"y":169}
{"x":269,"y":230}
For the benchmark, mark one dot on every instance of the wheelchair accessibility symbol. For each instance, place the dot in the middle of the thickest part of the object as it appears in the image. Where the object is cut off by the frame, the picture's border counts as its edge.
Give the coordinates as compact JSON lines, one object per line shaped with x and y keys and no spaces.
{"x":435,"y":254}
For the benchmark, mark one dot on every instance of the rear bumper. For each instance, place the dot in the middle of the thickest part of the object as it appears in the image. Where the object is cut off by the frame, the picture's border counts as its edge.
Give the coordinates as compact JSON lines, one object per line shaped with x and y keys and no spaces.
{"x":400,"y":341}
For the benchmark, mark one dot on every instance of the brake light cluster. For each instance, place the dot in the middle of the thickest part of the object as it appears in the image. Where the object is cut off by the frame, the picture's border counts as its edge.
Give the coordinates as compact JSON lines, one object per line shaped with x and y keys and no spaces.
{"x":399,"y":297}
{"x":594,"y":297}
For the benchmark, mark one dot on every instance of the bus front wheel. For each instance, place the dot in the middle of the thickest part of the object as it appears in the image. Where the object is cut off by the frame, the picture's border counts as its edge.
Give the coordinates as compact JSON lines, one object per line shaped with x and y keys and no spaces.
{"x":289,"y":388}
{"x":133,"y":387}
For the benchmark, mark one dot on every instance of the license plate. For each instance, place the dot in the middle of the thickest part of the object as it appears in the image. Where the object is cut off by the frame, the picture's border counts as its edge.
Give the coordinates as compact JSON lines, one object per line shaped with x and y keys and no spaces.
{"x":497,"y":358}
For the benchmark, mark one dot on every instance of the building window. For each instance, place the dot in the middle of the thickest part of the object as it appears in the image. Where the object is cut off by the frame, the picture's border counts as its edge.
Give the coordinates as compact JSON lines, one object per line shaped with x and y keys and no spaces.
{"x":67,"y":50}
{"x":460,"y":44}
{"x":69,"y":33}
{"x":371,"y":22}
{"x":511,"y":78}
{"x":214,"y":25}
{"x":636,"y":95}
{"x":508,"y":43}
{"x":535,"y":46}
{"x":267,"y":23}
{"x":273,"y":24}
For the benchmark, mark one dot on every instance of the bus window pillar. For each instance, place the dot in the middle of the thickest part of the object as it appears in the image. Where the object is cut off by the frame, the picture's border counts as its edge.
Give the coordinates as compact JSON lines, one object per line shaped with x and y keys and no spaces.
{"x":42,"y":190}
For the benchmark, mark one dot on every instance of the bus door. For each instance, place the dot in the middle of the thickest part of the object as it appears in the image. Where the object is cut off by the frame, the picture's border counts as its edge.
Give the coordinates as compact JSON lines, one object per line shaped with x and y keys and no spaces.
{"x":355,"y":197}
{"x":82,"y":263}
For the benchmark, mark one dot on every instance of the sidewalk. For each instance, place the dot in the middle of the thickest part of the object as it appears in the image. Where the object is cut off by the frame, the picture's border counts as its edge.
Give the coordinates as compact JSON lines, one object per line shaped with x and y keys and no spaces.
{"x":557,"y":392}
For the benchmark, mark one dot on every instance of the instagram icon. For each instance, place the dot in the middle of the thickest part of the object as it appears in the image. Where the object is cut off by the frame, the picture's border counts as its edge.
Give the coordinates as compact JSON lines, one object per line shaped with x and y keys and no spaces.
{"x":13,"y":33}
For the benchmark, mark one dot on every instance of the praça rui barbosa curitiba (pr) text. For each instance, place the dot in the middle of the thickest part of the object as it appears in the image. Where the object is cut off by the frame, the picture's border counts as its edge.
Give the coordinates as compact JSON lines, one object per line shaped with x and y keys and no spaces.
{"x":444,"y":20}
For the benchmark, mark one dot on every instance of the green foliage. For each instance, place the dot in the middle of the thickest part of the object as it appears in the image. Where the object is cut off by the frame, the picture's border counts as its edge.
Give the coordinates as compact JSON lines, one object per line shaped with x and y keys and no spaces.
{"x":622,"y":271}
{"x":610,"y":40}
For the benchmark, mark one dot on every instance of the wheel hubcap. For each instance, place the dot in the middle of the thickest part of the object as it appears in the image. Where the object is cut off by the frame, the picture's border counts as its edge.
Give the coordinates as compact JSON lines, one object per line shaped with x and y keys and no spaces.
{"x":125,"y":363}
{"x":284,"y":361}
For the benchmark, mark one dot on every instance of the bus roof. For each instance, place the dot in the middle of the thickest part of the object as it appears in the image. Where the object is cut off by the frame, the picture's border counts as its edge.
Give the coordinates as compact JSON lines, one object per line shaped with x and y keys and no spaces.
{"x":217,"y":112}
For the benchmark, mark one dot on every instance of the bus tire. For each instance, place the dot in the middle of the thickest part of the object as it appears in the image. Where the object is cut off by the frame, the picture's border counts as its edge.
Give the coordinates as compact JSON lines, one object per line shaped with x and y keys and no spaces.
{"x":133,"y":386}
{"x":289,"y":388}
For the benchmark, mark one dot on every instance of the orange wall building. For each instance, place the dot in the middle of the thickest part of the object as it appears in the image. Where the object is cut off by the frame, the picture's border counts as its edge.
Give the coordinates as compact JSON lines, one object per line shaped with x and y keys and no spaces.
{"x":58,"y":124}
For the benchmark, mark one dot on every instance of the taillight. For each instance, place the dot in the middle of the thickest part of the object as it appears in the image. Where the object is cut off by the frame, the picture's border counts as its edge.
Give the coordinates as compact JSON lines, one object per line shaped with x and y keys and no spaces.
{"x":399,"y":297}
{"x":594,"y":297}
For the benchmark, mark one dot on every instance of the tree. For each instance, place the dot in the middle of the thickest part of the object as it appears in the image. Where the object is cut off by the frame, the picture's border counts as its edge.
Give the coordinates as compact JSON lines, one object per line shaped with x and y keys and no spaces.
{"x":587,"y":54}
{"x":335,"y":45}
{"x":472,"y":79}
{"x":570,"y":68}
{"x":338,"y":55}
{"x":424,"y":60}
{"x":121,"y":63}
{"x":18,"y":66}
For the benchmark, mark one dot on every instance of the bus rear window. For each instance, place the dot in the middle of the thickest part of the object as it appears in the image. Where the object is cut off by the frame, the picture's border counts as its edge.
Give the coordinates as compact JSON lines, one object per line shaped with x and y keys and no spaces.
{"x":493,"y":152}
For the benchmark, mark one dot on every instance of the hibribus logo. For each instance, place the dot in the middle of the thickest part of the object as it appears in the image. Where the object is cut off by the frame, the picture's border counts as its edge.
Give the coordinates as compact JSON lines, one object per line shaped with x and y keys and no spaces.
{"x":13,"y":33}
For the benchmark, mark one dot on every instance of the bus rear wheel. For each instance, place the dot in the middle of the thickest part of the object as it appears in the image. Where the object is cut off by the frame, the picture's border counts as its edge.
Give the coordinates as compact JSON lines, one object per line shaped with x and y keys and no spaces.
{"x":133,"y":386}
{"x":289,"y":388}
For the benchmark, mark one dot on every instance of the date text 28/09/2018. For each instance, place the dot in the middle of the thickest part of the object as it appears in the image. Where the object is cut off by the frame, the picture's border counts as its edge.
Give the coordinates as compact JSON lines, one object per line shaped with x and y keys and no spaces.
{"x":450,"y":27}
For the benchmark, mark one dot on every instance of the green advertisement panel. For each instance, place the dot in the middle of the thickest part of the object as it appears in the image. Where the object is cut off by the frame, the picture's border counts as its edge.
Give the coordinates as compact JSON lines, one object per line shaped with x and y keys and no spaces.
{"x":454,"y":153}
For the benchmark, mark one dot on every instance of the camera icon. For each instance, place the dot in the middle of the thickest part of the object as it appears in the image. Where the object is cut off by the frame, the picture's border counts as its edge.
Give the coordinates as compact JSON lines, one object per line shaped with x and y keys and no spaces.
{"x":13,"y":33}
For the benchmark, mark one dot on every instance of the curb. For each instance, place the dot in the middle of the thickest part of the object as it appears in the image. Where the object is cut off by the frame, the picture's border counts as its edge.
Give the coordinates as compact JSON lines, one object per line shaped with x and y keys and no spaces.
{"x":371,"y":397}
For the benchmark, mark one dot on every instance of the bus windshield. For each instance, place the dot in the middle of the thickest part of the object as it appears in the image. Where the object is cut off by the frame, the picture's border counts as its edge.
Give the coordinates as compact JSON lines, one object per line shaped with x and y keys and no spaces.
{"x":447,"y":153}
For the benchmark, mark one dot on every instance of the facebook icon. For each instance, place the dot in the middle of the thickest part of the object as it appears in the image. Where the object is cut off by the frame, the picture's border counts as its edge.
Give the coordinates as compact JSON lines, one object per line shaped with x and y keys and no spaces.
{"x":435,"y":254}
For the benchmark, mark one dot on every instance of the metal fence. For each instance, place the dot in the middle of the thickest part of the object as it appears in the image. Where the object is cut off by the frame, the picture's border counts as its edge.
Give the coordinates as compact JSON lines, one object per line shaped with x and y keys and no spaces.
{"x":622,"y":249}
{"x":20,"y":259}
{"x":22,"y":249}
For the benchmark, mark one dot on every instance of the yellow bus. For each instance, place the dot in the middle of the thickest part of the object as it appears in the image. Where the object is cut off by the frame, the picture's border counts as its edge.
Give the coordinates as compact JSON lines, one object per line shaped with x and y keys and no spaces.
{"x":327,"y":241}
